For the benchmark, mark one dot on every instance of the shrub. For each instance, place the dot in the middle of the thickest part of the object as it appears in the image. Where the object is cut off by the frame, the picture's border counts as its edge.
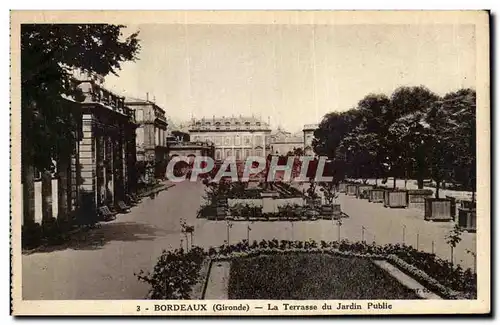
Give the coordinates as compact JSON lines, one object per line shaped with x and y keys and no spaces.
{"x":174,"y":274}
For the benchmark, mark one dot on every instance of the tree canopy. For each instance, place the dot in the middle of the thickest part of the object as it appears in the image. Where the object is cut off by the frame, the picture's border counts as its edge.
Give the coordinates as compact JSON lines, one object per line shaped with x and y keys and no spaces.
{"x":412,"y":133}
{"x":50,"y":53}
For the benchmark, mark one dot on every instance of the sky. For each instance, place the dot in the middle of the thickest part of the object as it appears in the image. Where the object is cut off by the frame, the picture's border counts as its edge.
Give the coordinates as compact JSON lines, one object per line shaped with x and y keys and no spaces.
{"x":290,"y":75}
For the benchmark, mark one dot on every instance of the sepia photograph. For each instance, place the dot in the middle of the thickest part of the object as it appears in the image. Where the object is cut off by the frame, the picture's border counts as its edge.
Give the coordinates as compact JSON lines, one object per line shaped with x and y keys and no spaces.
{"x":250,"y":163}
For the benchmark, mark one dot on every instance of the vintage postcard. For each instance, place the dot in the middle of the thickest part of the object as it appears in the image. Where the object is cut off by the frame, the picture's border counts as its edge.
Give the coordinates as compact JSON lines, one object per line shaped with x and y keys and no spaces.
{"x":250,"y":163}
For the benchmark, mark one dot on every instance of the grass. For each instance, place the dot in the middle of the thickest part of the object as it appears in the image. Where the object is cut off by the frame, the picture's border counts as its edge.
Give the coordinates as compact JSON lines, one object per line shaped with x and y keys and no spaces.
{"x":312,"y":276}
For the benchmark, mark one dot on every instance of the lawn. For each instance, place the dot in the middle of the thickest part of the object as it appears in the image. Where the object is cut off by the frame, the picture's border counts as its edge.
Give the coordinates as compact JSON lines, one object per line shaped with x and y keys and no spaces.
{"x":312,"y":276}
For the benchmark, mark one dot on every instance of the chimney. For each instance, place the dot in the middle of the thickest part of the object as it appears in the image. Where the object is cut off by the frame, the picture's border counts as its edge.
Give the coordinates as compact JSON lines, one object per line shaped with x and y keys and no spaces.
{"x":147,"y":97}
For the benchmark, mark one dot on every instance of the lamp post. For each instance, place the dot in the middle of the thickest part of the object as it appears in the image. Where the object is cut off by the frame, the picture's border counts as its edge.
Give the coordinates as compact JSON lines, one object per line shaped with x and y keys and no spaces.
{"x":339,"y":223}
{"x":248,"y":234}
{"x":228,"y":226}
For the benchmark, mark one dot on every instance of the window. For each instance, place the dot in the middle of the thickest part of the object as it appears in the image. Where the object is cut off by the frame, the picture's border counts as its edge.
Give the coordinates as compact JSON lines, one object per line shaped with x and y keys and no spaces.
{"x":247,"y":153}
{"x":228,"y":141}
{"x":238,"y":154}
{"x":139,"y":140}
{"x":139,"y":115}
{"x":258,"y":140}
{"x":237,"y":141}
{"x":228,"y":153}
{"x":247,"y":140}
{"x":258,"y":123}
{"x":258,"y":152}
{"x":218,"y":140}
{"x":207,"y":123}
{"x":218,"y":154}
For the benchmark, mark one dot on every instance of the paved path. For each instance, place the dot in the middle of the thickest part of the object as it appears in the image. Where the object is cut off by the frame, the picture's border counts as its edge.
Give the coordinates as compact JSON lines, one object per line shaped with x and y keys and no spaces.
{"x":102,"y":265}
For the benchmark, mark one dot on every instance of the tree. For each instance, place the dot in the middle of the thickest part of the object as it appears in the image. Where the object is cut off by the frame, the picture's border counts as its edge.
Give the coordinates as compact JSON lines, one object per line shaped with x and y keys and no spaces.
{"x":50,"y":53}
{"x":460,"y":107}
{"x":453,"y":238}
{"x":409,"y":108}
{"x":408,"y":100}
{"x":332,"y":129}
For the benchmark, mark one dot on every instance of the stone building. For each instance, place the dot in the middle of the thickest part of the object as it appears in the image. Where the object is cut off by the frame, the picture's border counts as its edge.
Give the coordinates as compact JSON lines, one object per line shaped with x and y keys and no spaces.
{"x":283,"y":142}
{"x":100,"y":171}
{"x":308,"y":131}
{"x":151,"y":133}
{"x":238,"y":137}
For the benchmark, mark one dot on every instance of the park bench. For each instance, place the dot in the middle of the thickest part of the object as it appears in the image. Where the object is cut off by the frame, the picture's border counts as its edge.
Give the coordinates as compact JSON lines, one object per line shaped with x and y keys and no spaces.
{"x":131,"y":200}
{"x":105,"y":213}
{"x":122,"y":207}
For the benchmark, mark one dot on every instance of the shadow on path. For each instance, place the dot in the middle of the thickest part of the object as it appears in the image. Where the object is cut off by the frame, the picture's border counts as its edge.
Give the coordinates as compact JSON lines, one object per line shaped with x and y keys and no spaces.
{"x":97,"y":238}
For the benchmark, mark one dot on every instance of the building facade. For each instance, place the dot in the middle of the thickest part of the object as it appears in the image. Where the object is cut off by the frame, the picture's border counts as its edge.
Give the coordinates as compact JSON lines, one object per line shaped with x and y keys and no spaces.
{"x":151,"y":134}
{"x":283,"y":142}
{"x":190,"y":149}
{"x":101,"y":169}
{"x":232,"y":137}
{"x":308,"y":132}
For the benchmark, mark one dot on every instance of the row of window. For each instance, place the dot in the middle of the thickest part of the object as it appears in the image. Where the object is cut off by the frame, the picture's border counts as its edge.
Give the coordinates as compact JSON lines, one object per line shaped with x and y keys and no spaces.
{"x":239,"y":154}
{"x":230,"y":140}
{"x":226,"y":123}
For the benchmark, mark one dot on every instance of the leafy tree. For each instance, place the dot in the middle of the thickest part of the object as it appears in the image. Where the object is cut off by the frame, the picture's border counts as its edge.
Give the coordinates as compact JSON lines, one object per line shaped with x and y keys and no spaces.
{"x":460,"y":107}
{"x":408,"y":100}
{"x":332,"y":129}
{"x":50,"y":53}
{"x":453,"y":238}
{"x":409,"y":129}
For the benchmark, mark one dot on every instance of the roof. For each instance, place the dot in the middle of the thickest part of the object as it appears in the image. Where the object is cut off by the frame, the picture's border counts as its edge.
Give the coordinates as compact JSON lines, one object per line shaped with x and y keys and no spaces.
{"x":139,"y":101}
{"x":231,"y":123}
{"x":310,"y":127}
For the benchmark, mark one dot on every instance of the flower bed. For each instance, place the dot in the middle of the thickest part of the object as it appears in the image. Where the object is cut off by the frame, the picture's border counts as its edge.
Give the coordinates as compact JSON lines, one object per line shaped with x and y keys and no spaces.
{"x":312,"y":276}
{"x":175,"y":272}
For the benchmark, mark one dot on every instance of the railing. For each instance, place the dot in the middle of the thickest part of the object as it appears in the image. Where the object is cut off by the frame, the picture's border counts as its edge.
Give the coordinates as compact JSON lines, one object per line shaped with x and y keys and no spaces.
{"x":106,"y":97}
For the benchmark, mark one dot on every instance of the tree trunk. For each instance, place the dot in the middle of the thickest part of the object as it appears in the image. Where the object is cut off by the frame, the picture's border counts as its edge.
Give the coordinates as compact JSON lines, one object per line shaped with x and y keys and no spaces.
{"x":46,"y":196}
{"x":394,"y":183}
{"x":63,"y":194}
{"x":420,"y":169}
{"x":420,"y":182}
{"x":28,"y":180}
{"x":451,"y":255}
{"x":437,"y":189}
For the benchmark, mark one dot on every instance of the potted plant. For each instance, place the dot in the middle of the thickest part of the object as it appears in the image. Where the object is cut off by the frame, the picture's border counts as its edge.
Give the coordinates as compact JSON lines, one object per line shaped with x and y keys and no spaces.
{"x":330,"y":209}
{"x":312,"y":197}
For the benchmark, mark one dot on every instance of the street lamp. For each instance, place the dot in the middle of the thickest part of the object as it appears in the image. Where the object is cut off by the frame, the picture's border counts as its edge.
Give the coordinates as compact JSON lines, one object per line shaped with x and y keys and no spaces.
{"x":229,"y":225}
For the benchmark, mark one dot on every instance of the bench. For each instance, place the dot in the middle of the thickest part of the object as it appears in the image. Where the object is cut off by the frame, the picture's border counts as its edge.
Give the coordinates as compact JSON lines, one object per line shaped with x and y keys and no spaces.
{"x":122,"y":207}
{"x":105,"y":213}
{"x":131,"y":200}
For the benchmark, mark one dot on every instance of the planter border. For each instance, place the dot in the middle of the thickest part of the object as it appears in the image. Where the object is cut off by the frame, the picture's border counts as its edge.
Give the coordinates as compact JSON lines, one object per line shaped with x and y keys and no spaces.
{"x":414,"y":272}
